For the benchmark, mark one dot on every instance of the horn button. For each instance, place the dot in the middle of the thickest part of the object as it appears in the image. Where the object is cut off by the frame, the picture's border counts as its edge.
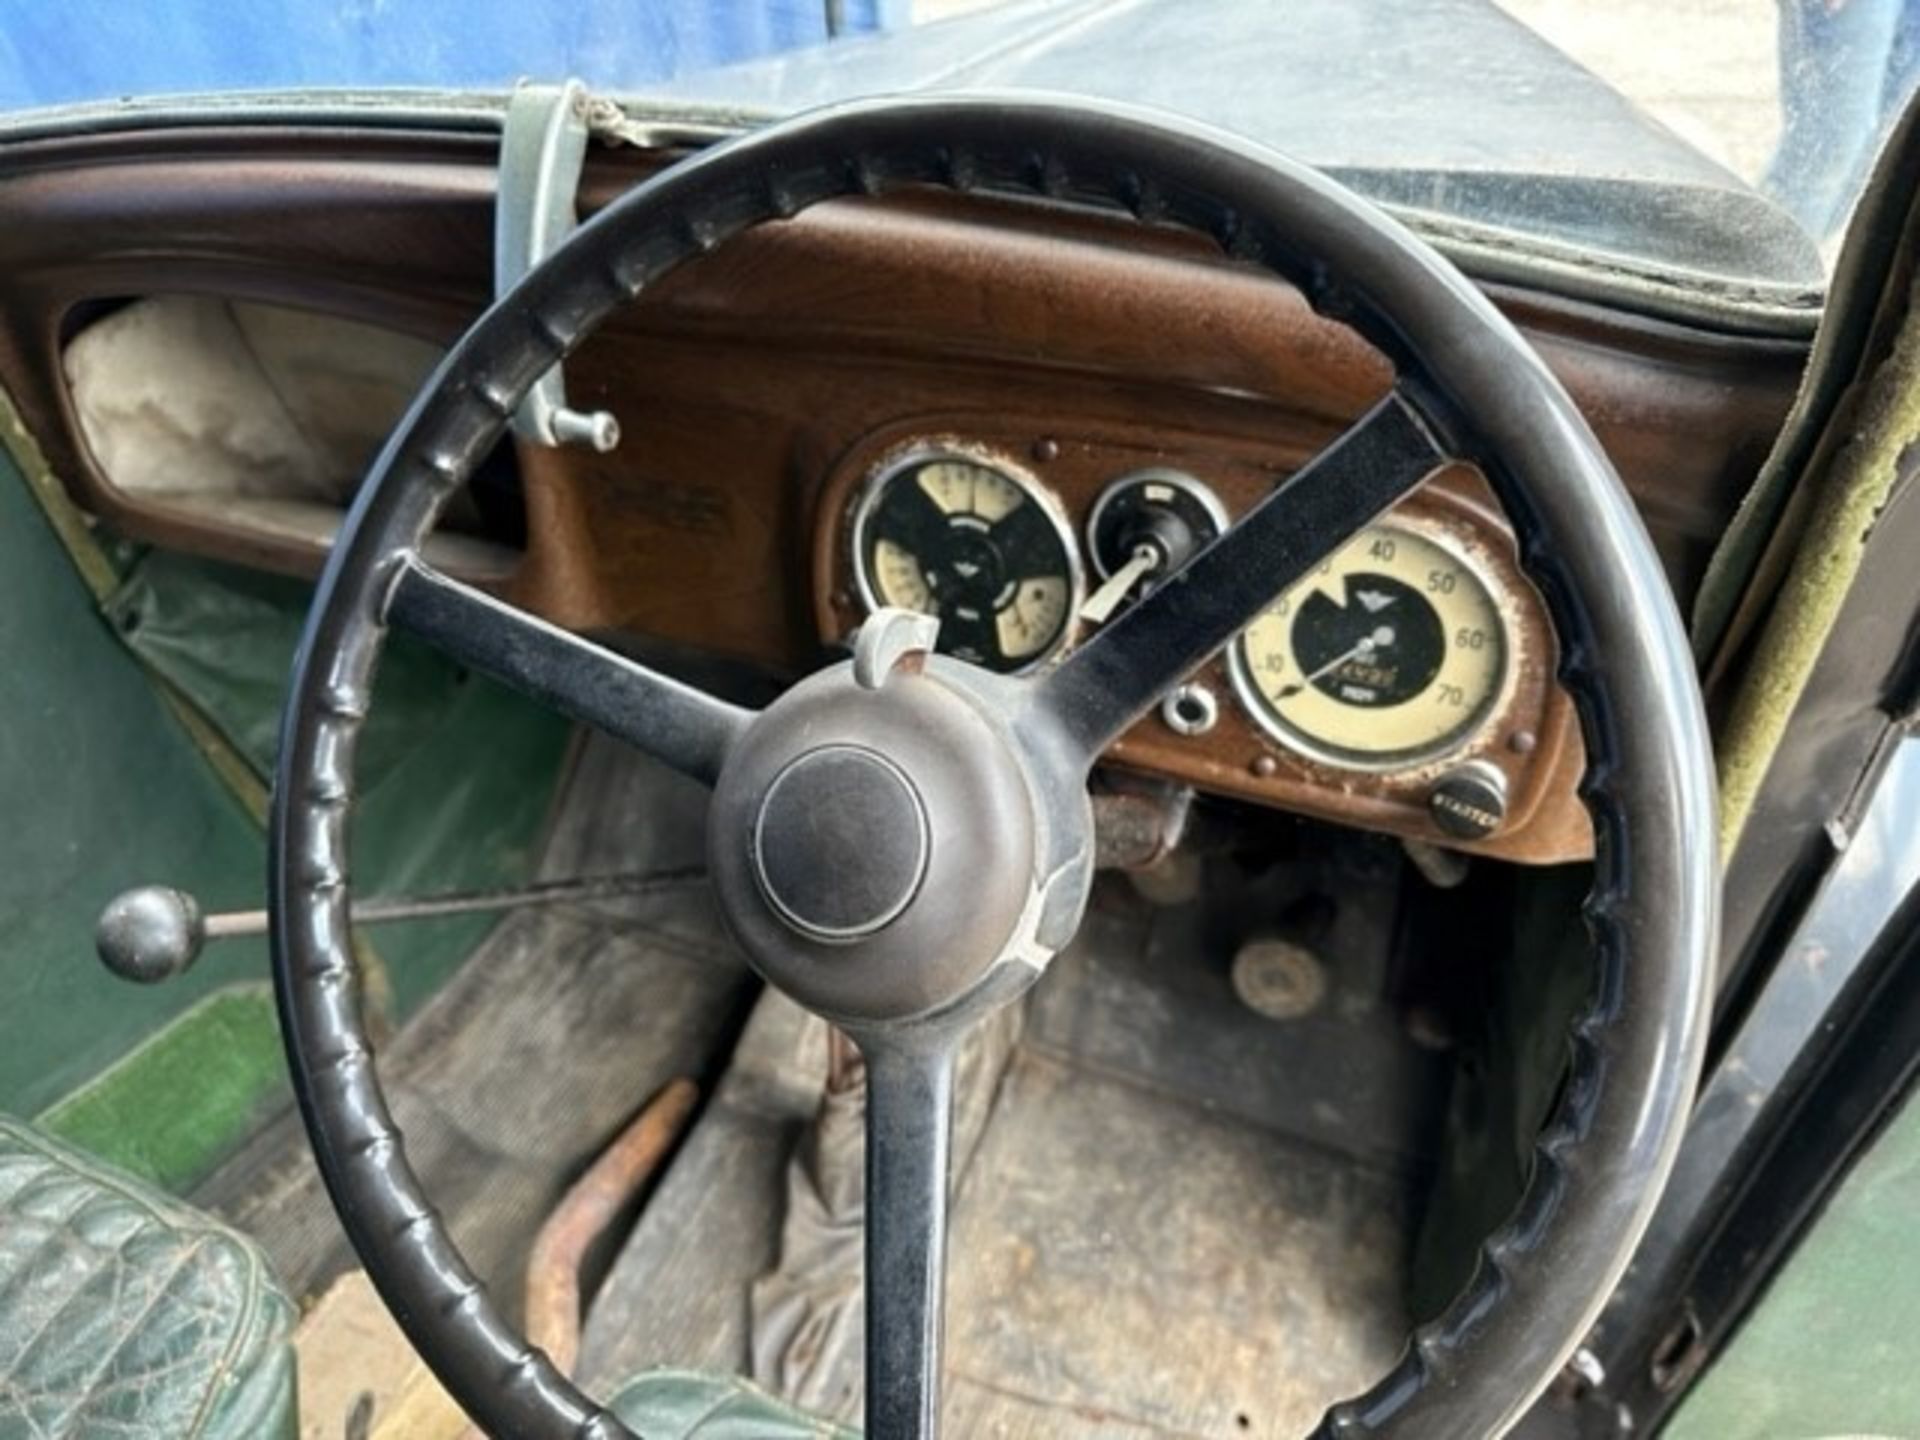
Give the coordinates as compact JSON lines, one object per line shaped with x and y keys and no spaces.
{"x":840,"y":845}
{"x":872,"y":844}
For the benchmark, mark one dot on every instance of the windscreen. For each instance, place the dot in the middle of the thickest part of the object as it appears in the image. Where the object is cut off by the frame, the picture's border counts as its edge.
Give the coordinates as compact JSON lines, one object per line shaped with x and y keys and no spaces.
{"x":1712,"y":142}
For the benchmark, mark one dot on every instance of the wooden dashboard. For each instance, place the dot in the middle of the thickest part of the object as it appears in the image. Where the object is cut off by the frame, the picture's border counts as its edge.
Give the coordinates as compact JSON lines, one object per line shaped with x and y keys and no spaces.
{"x":759,"y":386}
{"x":1529,"y":737}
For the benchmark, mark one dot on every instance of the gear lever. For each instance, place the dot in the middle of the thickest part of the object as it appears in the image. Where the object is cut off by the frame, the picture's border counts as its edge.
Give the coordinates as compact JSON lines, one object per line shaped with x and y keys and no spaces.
{"x":155,"y":932}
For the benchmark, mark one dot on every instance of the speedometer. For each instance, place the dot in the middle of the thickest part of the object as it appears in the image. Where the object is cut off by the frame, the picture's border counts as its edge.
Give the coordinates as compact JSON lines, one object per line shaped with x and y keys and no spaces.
{"x":975,"y":544}
{"x":1391,"y":654}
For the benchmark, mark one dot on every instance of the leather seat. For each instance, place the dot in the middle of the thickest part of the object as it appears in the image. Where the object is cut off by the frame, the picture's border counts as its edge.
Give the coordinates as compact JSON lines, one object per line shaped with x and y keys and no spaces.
{"x":685,"y":1405}
{"x":126,"y":1313}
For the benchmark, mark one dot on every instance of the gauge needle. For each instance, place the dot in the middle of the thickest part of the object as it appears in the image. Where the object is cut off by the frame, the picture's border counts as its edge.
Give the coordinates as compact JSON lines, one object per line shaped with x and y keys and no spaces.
{"x":1363,"y":648}
{"x":1104,"y":601}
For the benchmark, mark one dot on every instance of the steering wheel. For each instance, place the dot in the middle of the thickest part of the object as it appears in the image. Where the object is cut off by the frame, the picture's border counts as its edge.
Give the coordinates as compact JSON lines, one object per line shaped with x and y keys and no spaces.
{"x":901,"y":841}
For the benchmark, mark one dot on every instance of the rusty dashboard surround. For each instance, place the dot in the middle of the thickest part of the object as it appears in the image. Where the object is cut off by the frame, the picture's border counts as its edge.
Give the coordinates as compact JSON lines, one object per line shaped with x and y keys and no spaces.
{"x":755,"y":387}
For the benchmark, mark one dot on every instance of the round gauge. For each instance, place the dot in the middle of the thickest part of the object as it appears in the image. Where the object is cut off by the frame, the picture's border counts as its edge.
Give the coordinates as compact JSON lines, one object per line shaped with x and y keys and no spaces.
{"x":1390,"y":654}
{"x":977,"y":546}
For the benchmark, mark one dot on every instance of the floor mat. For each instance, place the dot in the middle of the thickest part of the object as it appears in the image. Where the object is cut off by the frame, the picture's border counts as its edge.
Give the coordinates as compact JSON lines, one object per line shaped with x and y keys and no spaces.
{"x":679,"y":1295}
{"x":561,"y":1025}
{"x":1154,"y":1236}
{"x":1124,"y":1262}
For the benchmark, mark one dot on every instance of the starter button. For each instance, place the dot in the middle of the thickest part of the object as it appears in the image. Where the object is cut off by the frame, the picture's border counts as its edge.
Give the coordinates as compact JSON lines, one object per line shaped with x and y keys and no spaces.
{"x":1469,"y":802}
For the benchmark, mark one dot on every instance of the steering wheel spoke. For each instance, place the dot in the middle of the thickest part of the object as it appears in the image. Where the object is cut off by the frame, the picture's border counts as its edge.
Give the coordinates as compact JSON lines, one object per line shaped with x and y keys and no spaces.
{"x":909,"y":1144}
{"x":1118,"y":675}
{"x":675,"y":723}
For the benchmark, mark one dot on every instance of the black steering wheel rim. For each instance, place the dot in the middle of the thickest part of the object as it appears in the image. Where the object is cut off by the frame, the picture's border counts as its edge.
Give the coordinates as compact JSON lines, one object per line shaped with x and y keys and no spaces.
{"x":1635,"y":1050}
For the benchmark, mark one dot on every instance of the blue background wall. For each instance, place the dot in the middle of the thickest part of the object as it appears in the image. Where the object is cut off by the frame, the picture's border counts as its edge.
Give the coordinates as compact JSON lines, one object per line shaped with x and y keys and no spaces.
{"x":62,"y":50}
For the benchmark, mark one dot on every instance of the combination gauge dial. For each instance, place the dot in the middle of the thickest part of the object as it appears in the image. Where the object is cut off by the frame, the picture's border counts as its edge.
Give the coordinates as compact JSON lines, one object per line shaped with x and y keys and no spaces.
{"x":1391,"y":654}
{"x":1143,"y":528}
{"x":975,"y":544}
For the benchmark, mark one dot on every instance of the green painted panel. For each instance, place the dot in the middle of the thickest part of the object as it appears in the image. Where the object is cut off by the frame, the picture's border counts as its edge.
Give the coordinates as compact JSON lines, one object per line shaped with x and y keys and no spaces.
{"x":461,"y":810}
{"x":101,"y":789}
{"x":104,"y":786}
{"x":168,"y":1108}
{"x":455,"y":772}
{"x":1829,"y":1350}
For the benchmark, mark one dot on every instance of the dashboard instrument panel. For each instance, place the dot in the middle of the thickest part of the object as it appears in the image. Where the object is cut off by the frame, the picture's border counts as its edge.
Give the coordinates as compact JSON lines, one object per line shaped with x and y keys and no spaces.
{"x":1406,"y":684}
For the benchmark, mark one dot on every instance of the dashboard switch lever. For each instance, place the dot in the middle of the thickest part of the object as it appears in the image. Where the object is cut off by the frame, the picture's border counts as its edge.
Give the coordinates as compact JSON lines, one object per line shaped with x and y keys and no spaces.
{"x":1104,"y":601}
{"x":889,"y":636}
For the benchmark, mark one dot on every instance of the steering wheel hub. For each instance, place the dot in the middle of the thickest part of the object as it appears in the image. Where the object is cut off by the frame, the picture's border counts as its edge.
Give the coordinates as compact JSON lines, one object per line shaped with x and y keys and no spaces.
{"x":840,"y":844}
{"x":874,"y":849}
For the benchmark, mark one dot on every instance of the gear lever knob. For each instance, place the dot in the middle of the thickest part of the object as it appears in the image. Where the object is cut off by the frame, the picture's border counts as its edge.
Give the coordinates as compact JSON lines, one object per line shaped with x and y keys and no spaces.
{"x":150,"y":934}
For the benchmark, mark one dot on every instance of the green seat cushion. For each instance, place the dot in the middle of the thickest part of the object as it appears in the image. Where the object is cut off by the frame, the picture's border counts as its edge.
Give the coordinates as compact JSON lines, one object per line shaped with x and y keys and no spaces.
{"x":125,"y":1313}
{"x":686,"y":1405}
